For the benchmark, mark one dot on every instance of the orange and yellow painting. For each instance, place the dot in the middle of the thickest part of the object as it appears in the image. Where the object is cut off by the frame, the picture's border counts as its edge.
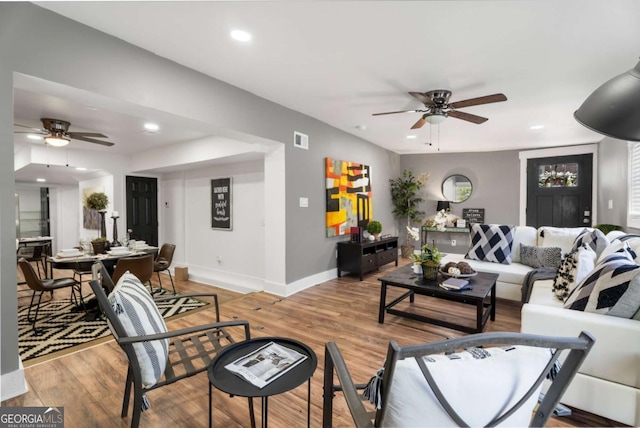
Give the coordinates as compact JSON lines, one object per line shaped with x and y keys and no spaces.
{"x":348,"y":194}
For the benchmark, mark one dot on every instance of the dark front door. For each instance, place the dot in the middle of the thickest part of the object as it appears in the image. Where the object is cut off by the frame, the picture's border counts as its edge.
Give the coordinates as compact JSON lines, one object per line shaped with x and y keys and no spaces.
{"x":559,"y":191}
{"x":142,"y":209}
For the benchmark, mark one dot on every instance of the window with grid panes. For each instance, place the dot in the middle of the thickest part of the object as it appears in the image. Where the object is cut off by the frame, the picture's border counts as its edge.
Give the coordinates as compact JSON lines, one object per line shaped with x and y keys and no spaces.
{"x":633,"y":208}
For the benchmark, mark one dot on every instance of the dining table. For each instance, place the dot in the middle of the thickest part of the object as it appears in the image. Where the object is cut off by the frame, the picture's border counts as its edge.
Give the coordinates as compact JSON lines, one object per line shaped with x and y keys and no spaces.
{"x":68,"y":260}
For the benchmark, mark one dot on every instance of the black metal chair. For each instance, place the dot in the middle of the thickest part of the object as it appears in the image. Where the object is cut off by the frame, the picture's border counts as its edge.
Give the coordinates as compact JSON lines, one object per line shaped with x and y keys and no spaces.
{"x":163,"y":262}
{"x":41,"y":286}
{"x":190,"y":349}
{"x":427,"y":400}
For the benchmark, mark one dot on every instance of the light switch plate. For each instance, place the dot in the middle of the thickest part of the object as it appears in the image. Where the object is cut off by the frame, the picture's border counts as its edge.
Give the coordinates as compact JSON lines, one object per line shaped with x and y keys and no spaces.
{"x":304,"y":202}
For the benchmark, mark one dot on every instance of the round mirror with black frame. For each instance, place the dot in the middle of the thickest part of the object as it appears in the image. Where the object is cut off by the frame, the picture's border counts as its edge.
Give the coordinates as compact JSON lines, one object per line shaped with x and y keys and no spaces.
{"x":456,"y":188}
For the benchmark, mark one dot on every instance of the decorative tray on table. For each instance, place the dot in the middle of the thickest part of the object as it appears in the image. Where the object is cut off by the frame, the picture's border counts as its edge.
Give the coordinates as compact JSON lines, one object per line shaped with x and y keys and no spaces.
{"x":460,"y":275}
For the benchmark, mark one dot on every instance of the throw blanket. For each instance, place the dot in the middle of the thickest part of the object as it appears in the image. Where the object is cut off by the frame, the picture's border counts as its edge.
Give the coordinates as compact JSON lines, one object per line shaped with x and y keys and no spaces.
{"x":533,"y":276}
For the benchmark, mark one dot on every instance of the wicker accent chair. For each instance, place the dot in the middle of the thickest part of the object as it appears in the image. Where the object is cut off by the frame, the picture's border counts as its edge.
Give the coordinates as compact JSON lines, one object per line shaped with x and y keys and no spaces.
{"x":416,"y":385}
{"x":190,"y":350}
{"x":41,"y":286}
{"x":163,"y":262}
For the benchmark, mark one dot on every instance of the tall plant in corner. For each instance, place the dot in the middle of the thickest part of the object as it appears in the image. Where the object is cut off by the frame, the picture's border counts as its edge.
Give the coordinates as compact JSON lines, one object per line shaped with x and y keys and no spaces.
{"x":406,"y":199}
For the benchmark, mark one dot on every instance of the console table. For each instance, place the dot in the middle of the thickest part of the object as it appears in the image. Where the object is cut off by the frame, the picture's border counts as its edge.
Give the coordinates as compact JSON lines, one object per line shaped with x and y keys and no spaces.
{"x":424,"y":232}
{"x":360,"y":258}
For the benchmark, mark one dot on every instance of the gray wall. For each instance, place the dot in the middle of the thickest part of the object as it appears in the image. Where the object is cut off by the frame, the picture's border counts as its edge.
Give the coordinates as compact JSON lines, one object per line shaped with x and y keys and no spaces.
{"x":495,"y":179}
{"x":305,"y":178}
{"x":39,"y":43}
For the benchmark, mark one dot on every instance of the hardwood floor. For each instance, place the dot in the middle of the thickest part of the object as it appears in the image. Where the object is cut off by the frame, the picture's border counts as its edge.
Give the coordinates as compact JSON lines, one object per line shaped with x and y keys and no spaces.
{"x":89,"y":384}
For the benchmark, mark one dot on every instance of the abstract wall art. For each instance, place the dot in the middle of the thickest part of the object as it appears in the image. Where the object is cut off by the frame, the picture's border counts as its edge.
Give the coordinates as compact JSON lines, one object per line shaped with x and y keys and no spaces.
{"x":348,"y":196}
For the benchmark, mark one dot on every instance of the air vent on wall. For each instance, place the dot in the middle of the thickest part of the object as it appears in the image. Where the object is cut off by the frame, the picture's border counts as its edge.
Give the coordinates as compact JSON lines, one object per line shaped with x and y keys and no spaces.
{"x":300,"y":140}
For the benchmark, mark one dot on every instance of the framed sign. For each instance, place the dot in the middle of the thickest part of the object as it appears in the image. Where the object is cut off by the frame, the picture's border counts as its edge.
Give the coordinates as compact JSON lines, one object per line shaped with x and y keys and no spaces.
{"x":221,"y":213}
{"x":473,"y":215}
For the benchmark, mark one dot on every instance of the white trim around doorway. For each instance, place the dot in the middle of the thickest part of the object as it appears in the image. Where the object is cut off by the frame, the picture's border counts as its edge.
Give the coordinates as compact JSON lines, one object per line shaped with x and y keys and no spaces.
{"x":558,"y":151}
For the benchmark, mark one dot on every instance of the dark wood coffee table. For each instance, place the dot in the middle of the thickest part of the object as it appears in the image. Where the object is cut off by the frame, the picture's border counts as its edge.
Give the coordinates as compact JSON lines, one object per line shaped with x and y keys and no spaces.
{"x":484,"y":288}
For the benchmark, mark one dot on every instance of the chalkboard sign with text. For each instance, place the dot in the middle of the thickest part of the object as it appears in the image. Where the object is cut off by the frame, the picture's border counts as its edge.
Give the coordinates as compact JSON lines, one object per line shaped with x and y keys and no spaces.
{"x":473,"y":215}
{"x":221,"y":203}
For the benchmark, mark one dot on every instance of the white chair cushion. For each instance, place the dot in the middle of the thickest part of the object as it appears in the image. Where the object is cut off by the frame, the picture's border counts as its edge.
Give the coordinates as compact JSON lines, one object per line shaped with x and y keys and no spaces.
{"x":139,"y":316}
{"x":476,"y":388}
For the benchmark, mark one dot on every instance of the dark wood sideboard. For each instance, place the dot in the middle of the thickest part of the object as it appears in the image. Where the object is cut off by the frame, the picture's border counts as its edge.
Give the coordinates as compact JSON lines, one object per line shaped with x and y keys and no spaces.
{"x":361,"y":258}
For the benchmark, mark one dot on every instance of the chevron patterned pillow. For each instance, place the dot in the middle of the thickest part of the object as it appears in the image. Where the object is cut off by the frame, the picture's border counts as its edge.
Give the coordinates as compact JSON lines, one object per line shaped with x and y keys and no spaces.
{"x":593,"y":238}
{"x":612,"y":288}
{"x":491,"y":243}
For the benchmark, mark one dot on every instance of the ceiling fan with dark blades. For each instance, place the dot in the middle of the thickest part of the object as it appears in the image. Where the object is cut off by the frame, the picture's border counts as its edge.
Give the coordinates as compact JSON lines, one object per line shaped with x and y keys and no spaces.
{"x":438,"y":108}
{"x":57,"y":133}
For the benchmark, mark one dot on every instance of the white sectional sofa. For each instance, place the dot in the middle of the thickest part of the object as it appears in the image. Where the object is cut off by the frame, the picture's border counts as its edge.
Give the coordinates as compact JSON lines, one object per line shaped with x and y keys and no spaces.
{"x":511,"y":276}
{"x":608,"y":383}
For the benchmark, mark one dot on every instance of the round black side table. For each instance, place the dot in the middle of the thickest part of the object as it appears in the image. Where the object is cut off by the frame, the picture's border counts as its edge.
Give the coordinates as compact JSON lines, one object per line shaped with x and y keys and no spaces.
{"x":232,"y":384}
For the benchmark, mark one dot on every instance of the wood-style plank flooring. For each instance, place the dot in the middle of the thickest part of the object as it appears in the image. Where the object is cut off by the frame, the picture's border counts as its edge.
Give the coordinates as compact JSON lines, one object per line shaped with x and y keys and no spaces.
{"x":89,"y":384}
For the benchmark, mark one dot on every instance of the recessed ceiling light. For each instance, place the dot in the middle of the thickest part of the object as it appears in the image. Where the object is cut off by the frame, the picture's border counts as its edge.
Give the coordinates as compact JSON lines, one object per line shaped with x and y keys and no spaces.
{"x":241,"y":36}
{"x":41,"y":180}
{"x":361,"y":127}
{"x":151,"y":127}
{"x":536,"y":127}
{"x":411,"y":137}
{"x":34,"y":137}
{"x":81,"y":168}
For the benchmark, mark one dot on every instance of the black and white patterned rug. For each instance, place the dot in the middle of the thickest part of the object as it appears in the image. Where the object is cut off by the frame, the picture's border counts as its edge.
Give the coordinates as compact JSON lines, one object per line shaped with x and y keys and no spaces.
{"x":61,"y":329}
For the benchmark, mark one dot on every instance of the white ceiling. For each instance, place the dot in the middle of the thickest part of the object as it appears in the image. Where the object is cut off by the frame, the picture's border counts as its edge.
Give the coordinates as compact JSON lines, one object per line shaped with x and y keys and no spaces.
{"x":341,"y":61}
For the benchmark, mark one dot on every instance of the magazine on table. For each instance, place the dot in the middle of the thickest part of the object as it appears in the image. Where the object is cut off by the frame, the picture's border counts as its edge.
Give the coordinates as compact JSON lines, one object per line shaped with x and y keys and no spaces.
{"x":266,"y":364}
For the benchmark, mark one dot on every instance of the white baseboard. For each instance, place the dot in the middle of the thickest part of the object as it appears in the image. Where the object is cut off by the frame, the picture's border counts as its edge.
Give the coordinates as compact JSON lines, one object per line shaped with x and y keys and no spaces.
{"x":13,"y":384}
{"x":245,"y":284}
{"x":309,"y":281}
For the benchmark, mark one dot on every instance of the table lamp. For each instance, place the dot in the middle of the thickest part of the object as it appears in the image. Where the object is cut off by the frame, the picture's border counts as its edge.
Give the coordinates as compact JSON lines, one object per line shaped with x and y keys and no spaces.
{"x":443,"y":205}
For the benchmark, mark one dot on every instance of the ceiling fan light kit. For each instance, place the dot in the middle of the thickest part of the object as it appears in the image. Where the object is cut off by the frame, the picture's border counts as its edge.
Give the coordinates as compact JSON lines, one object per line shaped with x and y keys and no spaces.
{"x":56,"y":140}
{"x":614,"y":108}
{"x":437,"y":107}
{"x":57,"y":133}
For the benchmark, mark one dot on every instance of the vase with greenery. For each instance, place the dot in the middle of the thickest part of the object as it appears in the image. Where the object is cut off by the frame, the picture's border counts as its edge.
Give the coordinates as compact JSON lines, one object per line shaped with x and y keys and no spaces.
{"x":406,"y":199}
{"x":374,"y":227}
{"x":98,"y":201}
{"x":431,"y":258}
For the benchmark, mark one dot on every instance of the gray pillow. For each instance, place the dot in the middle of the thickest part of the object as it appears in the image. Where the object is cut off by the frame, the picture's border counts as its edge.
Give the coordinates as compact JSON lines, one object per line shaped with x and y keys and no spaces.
{"x":538,"y":257}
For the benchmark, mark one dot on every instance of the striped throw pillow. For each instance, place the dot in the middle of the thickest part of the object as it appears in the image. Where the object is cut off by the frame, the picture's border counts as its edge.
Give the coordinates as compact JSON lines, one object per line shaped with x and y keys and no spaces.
{"x":491,"y":243}
{"x":139,"y":316}
{"x":612,"y":287}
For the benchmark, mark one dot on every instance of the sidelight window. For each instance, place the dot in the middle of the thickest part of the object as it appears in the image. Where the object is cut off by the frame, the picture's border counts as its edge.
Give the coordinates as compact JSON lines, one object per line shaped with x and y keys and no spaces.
{"x":633,"y":210}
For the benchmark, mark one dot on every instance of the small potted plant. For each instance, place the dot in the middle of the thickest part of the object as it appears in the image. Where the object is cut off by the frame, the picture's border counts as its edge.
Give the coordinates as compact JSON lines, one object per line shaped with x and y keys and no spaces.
{"x":99,"y":245}
{"x":374,"y":227}
{"x":431,"y":258}
{"x":416,"y":258}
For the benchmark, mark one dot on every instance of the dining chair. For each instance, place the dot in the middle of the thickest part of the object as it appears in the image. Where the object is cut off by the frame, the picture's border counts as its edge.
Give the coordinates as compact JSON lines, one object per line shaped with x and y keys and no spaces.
{"x":40,"y":286}
{"x":140,"y":266}
{"x":157,"y":356}
{"x":35,"y":253}
{"x":483,"y":385}
{"x":163,"y":262}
